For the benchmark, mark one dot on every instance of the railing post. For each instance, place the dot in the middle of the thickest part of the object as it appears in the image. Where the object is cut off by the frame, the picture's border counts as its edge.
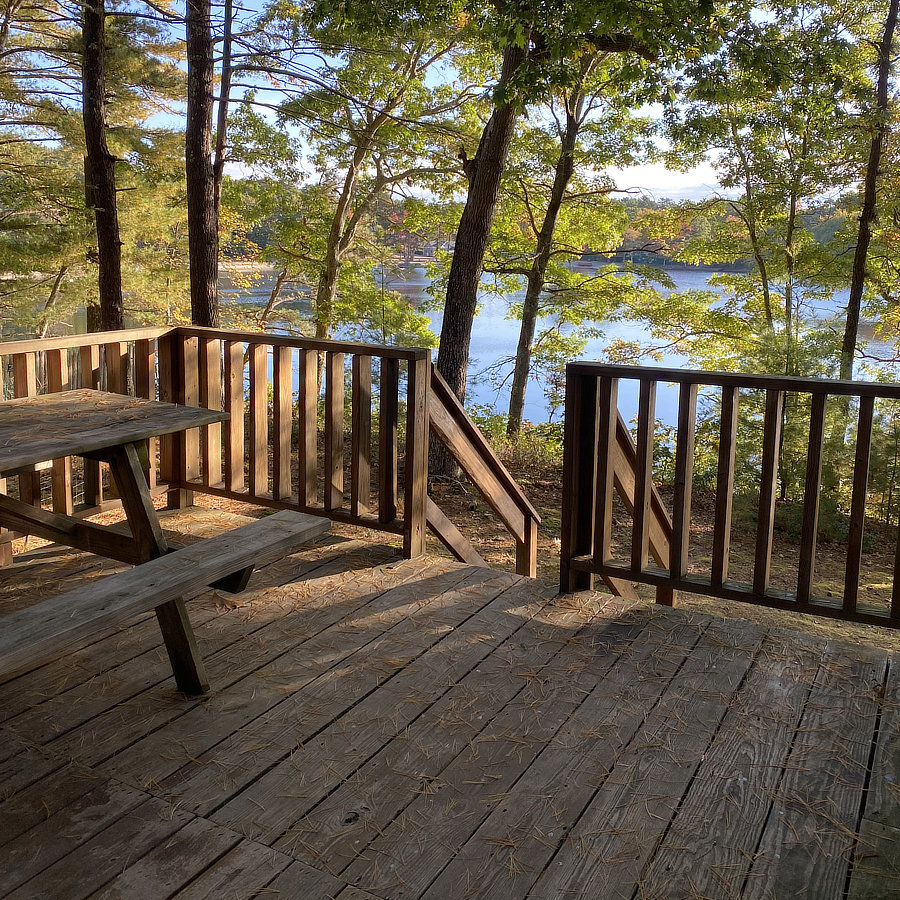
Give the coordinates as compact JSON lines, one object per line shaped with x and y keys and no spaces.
{"x":415,"y":477}
{"x":579,"y":478}
{"x":526,"y":550}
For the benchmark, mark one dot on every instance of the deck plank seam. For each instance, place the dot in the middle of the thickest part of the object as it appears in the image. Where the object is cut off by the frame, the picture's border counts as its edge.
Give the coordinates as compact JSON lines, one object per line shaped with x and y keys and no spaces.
{"x":748,"y":874}
{"x":620,"y":752}
{"x":777,"y":794}
{"x":437,"y":699}
{"x":455,"y":574}
{"x":758,"y":654}
{"x":62,"y":753}
{"x":141,"y":619}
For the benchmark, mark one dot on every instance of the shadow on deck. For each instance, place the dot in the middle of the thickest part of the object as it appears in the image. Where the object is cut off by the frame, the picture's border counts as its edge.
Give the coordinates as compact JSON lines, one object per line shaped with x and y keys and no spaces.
{"x":400,"y":729}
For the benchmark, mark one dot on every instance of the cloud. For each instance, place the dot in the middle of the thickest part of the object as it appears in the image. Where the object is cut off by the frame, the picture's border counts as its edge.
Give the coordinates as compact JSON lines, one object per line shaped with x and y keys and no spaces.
{"x":661,"y":183}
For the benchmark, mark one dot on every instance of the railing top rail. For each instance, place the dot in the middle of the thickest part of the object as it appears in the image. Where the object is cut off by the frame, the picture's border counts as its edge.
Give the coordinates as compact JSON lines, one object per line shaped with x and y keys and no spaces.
{"x":261,"y":337}
{"x":480,"y":445}
{"x":740,"y":380}
{"x":8,"y":348}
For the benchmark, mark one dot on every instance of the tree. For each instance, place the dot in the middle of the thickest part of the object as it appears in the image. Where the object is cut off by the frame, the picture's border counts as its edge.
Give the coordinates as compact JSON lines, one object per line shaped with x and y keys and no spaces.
{"x":536,"y":43}
{"x":100,"y":165}
{"x":880,"y":128}
{"x":203,"y":220}
{"x":47,"y":133}
{"x":777,"y":103}
{"x":556,"y":190}
{"x":375,"y":123}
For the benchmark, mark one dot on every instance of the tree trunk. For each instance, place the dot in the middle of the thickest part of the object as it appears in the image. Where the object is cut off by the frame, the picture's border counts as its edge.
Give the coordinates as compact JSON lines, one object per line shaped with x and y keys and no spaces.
{"x":484,"y":172}
{"x":870,"y":190}
{"x":222,"y":109}
{"x":565,"y":166}
{"x":274,"y":299}
{"x":472,"y":235}
{"x":51,"y":301}
{"x":100,"y":171}
{"x":203,"y":219}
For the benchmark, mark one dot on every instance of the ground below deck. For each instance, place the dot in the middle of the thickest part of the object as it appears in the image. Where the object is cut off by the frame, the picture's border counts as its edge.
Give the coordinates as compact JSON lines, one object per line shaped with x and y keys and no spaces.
{"x":381,"y":728}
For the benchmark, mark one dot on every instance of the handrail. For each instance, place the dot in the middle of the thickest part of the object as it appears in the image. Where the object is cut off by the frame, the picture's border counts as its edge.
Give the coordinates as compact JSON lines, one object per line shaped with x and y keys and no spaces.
{"x":451,"y":424}
{"x":322,"y":345}
{"x":94,"y":338}
{"x":831,"y":387}
{"x":598,"y":461}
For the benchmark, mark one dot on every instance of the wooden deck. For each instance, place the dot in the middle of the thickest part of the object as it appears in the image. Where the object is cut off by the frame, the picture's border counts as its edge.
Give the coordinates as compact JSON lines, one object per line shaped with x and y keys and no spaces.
{"x":380,"y":728}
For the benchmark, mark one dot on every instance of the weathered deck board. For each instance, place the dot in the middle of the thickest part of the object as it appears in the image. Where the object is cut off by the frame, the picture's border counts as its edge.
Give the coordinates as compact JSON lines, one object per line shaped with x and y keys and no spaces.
{"x":808,"y":839}
{"x":638,"y":798}
{"x":270,"y":699}
{"x":244,"y":871}
{"x":322,"y":764}
{"x":511,"y":848}
{"x":392,"y":729}
{"x":411,"y":764}
{"x":724,"y":813}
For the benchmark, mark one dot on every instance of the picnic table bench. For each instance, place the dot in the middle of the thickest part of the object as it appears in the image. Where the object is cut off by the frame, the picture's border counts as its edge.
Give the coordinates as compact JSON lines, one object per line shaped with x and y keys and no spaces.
{"x":111,"y":427}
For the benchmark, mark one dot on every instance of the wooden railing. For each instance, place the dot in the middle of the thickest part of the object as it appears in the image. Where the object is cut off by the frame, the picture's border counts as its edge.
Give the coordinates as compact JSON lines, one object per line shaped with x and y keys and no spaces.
{"x":287,"y":444}
{"x":593,"y":472}
{"x":257,"y":459}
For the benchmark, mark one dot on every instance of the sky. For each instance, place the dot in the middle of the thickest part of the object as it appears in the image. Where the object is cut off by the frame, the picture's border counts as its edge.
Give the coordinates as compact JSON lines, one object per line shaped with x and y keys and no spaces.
{"x":661,"y":183}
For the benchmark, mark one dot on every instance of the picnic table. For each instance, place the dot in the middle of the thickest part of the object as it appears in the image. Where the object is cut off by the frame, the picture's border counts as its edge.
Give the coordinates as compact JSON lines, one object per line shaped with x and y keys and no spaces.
{"x":111,"y":428}
{"x":95,"y":425}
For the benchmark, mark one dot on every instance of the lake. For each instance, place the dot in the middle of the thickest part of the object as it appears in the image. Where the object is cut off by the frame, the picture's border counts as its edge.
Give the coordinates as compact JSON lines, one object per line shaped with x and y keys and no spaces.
{"x":494,"y":337}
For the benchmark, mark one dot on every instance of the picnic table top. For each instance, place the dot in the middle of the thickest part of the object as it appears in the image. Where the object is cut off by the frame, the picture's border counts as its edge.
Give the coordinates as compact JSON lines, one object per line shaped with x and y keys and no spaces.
{"x":71,"y":423}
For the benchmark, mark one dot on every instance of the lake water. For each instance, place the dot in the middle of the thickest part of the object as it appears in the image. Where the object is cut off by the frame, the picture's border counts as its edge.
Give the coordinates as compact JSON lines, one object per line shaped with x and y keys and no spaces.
{"x":495,"y":336}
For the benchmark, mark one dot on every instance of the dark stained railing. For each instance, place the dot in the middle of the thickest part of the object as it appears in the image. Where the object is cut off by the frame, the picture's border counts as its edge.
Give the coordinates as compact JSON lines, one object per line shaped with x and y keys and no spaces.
{"x":287,"y":444}
{"x":594,"y":441}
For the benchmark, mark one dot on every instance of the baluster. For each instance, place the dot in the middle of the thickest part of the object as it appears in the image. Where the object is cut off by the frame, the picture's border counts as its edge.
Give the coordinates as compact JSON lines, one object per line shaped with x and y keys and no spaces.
{"x":115,"y":358}
{"x":25,"y":385}
{"x":606,"y":437}
{"x":643,"y":476}
{"x":145,"y":386}
{"x":858,"y":502}
{"x":768,"y":490}
{"x":282,"y":419}
{"x":334,"y":430}
{"x":361,"y":435}
{"x":234,"y":406}
{"x":388,"y":413}
{"x":89,"y":358}
{"x":190,"y":439}
{"x":210,"y":357}
{"x":307,"y":412}
{"x":57,"y":362}
{"x":579,"y":478}
{"x":259,"y":426}
{"x":684,"y":477}
{"x":415,"y":465}
{"x":725,"y":485}
{"x":809,"y":531}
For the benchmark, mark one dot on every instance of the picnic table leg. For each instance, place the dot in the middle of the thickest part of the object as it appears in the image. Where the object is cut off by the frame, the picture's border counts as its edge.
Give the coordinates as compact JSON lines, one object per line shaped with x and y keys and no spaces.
{"x":181,"y":645}
{"x":187,"y":664}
